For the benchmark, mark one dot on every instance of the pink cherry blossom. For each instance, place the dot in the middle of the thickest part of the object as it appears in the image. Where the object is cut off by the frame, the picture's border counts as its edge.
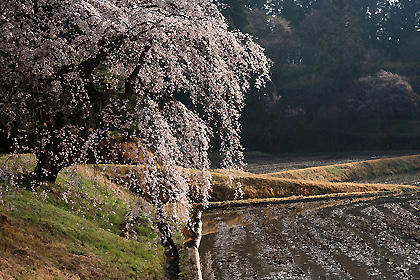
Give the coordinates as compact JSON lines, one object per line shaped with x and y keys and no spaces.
{"x":167,"y":73}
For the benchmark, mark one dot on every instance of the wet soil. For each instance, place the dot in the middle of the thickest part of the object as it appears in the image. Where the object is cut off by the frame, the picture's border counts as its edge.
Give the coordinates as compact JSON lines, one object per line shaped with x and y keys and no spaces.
{"x":266,"y":163}
{"x":326,"y":239}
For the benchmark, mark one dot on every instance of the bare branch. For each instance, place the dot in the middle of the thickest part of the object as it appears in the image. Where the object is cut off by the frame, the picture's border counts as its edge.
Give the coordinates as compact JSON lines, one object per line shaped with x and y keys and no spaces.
{"x":130,"y":81}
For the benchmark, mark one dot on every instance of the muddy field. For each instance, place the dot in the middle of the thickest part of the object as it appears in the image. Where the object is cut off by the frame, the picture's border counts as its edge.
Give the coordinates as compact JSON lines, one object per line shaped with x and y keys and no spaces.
{"x":265,"y":163}
{"x":325,"y":239}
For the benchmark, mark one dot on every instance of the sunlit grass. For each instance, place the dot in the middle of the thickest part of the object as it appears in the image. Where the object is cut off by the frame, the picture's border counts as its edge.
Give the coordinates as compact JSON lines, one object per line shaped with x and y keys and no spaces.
{"x":315,"y":180}
{"x":72,"y":227}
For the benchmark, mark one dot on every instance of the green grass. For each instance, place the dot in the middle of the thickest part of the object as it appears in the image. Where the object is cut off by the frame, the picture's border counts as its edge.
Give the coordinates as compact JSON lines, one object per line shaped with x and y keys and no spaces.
{"x":335,"y":170}
{"x":406,"y":166}
{"x":17,"y":163}
{"x":84,"y":224}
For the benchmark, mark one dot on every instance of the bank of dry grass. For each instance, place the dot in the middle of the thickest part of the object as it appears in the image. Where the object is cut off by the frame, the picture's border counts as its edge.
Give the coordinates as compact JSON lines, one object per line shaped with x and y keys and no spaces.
{"x":315,"y":181}
{"x":354,"y":171}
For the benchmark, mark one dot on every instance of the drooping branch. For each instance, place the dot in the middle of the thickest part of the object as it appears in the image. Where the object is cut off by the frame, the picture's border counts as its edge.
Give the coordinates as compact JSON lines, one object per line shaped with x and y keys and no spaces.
{"x":130,"y":81}
{"x":18,"y":101}
{"x":106,"y":47}
{"x":54,"y":56}
{"x":36,"y":6}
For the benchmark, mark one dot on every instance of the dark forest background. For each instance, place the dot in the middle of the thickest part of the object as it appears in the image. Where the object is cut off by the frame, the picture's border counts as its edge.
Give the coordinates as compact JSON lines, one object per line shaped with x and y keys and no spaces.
{"x":346,"y":74}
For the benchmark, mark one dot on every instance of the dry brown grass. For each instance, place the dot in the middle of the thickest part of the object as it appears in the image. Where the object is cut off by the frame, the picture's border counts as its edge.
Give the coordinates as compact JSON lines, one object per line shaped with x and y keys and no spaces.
{"x":353,"y":171}
{"x":316,"y":180}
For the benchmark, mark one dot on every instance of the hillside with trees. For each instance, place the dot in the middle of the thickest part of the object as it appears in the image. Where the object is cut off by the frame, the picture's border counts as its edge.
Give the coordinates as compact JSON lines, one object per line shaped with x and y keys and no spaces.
{"x":331,"y":59}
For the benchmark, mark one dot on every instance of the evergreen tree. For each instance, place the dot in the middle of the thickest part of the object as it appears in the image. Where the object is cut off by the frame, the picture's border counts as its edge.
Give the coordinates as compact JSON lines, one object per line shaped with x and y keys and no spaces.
{"x":342,"y":44}
{"x":236,"y":15}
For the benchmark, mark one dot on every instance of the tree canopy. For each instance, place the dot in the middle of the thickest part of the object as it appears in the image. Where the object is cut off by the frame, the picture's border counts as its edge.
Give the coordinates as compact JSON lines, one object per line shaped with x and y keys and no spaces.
{"x":168,"y":75}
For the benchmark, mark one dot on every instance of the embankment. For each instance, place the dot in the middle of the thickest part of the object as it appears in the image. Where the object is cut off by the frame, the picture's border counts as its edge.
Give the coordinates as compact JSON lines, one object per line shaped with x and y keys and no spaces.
{"x":315,"y":180}
{"x":353,"y":171}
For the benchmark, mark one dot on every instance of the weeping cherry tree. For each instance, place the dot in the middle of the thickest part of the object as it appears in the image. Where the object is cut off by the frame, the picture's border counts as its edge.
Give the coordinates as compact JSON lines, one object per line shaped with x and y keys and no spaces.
{"x":169,"y":74}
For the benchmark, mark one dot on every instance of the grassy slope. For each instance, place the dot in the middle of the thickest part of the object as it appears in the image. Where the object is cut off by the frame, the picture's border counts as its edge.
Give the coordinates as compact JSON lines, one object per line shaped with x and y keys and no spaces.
{"x":52,"y":239}
{"x":316,"y":180}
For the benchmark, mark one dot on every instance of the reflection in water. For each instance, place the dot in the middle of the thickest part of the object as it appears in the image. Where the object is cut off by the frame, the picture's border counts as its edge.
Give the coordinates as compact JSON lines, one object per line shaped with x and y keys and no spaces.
{"x":331,"y":239}
{"x":230,"y":218}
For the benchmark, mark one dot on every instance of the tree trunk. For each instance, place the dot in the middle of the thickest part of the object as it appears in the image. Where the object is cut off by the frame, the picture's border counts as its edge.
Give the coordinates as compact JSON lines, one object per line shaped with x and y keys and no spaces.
{"x":47,"y":167}
{"x":48,"y":147}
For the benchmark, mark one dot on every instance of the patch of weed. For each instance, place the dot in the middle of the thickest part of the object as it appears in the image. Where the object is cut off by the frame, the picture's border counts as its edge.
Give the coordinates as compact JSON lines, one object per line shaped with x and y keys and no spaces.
{"x":335,"y":170}
{"x":405,"y":166}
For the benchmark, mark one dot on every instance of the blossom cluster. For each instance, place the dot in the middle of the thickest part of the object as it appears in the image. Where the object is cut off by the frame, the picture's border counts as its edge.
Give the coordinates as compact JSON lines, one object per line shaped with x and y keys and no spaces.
{"x":167,"y":73}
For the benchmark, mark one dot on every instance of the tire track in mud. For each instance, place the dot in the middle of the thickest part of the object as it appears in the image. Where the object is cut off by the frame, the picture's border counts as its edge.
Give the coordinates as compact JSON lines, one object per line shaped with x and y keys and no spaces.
{"x":377,"y":239}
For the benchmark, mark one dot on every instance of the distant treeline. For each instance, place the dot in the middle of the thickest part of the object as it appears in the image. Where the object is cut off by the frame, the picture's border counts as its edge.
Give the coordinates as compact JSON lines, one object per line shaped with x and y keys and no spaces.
{"x":346,"y":74}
